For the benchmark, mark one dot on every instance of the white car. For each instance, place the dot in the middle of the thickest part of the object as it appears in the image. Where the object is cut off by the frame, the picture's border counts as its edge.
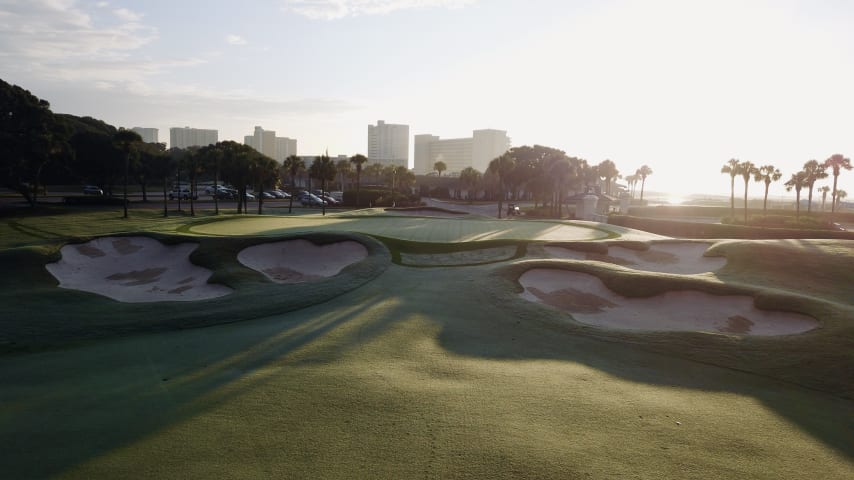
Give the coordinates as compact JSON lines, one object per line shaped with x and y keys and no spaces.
{"x":183,"y":193}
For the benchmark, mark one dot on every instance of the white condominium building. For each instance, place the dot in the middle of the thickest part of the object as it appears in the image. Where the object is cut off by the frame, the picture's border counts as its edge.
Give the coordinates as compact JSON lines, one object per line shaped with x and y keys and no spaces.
{"x":285,"y":147}
{"x":459,"y":153}
{"x":266,"y":142}
{"x":191,"y":137}
{"x":149,"y":135}
{"x":388,"y":144}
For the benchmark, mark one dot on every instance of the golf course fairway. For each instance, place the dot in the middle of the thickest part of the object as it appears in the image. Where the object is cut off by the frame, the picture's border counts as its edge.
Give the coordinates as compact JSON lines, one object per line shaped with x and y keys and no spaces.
{"x":392,"y":371}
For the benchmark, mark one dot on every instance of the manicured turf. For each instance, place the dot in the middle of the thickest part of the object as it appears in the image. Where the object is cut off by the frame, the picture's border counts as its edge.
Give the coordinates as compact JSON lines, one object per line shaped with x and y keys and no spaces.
{"x":429,"y":373}
{"x":421,"y":229}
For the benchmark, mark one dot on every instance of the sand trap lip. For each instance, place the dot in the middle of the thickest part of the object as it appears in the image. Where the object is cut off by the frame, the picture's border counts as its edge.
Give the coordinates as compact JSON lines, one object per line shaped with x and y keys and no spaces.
{"x":467,"y":257}
{"x":134,"y":270}
{"x":296,"y":261}
{"x":592,"y":303}
{"x":683,"y":258}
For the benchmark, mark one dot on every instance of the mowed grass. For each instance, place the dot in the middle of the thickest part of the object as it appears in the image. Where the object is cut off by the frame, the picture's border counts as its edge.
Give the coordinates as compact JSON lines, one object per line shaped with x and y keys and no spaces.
{"x":419,"y":373}
{"x":420,"y":229}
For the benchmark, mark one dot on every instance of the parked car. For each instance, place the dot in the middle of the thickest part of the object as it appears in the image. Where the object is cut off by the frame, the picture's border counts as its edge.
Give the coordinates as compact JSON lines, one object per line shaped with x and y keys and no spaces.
{"x":268,"y":196}
{"x":329,"y":200}
{"x":280,"y":193}
{"x":311,"y":200}
{"x":183,"y":193}
{"x":92,"y":190}
{"x":249,"y":196}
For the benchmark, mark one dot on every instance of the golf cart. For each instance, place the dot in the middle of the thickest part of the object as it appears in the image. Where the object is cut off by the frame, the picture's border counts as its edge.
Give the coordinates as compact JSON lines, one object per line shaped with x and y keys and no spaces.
{"x":513,"y":210}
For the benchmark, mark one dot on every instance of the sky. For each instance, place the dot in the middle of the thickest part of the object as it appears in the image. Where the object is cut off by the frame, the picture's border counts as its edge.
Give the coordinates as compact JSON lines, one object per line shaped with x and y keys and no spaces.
{"x":679,"y":85}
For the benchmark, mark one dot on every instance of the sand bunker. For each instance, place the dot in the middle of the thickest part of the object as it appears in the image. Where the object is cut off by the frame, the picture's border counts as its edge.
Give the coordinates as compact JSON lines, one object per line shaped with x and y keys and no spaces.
{"x":295,"y":261}
{"x":134,"y":270}
{"x":467,"y":257}
{"x":591,"y":302}
{"x":680,"y":258}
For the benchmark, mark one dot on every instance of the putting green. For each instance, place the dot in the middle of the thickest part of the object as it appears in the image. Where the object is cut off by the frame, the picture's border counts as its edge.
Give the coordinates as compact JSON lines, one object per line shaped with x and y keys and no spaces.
{"x":420,"y":229}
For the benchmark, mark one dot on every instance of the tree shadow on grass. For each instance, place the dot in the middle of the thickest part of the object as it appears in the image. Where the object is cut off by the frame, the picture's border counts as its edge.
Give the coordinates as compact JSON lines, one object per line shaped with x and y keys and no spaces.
{"x":66,"y":408}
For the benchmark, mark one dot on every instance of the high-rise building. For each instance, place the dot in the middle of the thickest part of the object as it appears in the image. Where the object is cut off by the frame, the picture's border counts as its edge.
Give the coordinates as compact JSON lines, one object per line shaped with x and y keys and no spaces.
{"x":191,"y":137}
{"x":388,"y":144}
{"x":285,"y":147}
{"x":149,"y":135}
{"x":266,"y":142}
{"x":487,"y":145}
{"x":459,"y":153}
{"x":262,"y":140}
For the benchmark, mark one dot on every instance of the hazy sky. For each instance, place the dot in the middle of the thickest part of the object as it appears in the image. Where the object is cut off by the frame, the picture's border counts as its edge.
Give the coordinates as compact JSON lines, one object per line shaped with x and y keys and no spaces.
{"x":679,"y":85}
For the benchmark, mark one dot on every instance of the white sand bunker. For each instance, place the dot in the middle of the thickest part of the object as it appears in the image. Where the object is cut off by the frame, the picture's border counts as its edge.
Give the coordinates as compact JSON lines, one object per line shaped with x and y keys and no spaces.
{"x":295,"y":261}
{"x":467,"y":257}
{"x":134,"y":270}
{"x":591,"y":302}
{"x":679,"y":258}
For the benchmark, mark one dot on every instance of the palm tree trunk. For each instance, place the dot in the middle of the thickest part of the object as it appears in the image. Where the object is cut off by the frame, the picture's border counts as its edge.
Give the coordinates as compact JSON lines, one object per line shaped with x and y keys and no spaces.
{"x":765,"y":201}
{"x":323,"y":190}
{"x":809,"y":202}
{"x":500,"y":196}
{"x":293,"y":192}
{"x":732,"y":197}
{"x":165,"y":197}
{"x":745,"y":203}
{"x":216,"y":189}
{"x":358,"y":183}
{"x":643,"y":182}
{"x":798,"y":207}
{"x":833,"y":203}
{"x":192,"y":194}
{"x":127,"y":167}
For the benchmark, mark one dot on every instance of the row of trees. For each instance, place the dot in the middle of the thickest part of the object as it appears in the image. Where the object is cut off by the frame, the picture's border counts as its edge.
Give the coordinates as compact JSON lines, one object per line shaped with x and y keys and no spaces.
{"x":812,"y":171}
{"x":38,"y":146}
{"x":546,"y":174}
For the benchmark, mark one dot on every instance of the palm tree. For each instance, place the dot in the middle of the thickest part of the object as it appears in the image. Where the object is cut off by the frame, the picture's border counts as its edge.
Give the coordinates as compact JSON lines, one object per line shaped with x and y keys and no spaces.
{"x":344,"y":169}
{"x":469,"y":178}
{"x":323,"y":168}
{"x":440,"y":167}
{"x":560,"y":170}
{"x":126,"y":141}
{"x":608,"y":171}
{"x":824,"y":189}
{"x":358,"y":160}
{"x":293,"y":165}
{"x":798,"y":181}
{"x":815,"y":171}
{"x":644,"y":171}
{"x":746,"y":170}
{"x":837,"y":162}
{"x":631,"y":180}
{"x":264,"y":171}
{"x":210,"y":158}
{"x":767,"y":174}
{"x":501,"y":166}
{"x":375,"y":171}
{"x":840,"y":194}
{"x":731,"y":167}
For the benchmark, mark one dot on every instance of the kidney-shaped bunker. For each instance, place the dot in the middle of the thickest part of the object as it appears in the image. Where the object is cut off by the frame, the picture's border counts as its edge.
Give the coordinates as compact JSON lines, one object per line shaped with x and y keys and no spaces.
{"x":591,"y":302}
{"x":294,"y":261}
{"x":134,"y":270}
